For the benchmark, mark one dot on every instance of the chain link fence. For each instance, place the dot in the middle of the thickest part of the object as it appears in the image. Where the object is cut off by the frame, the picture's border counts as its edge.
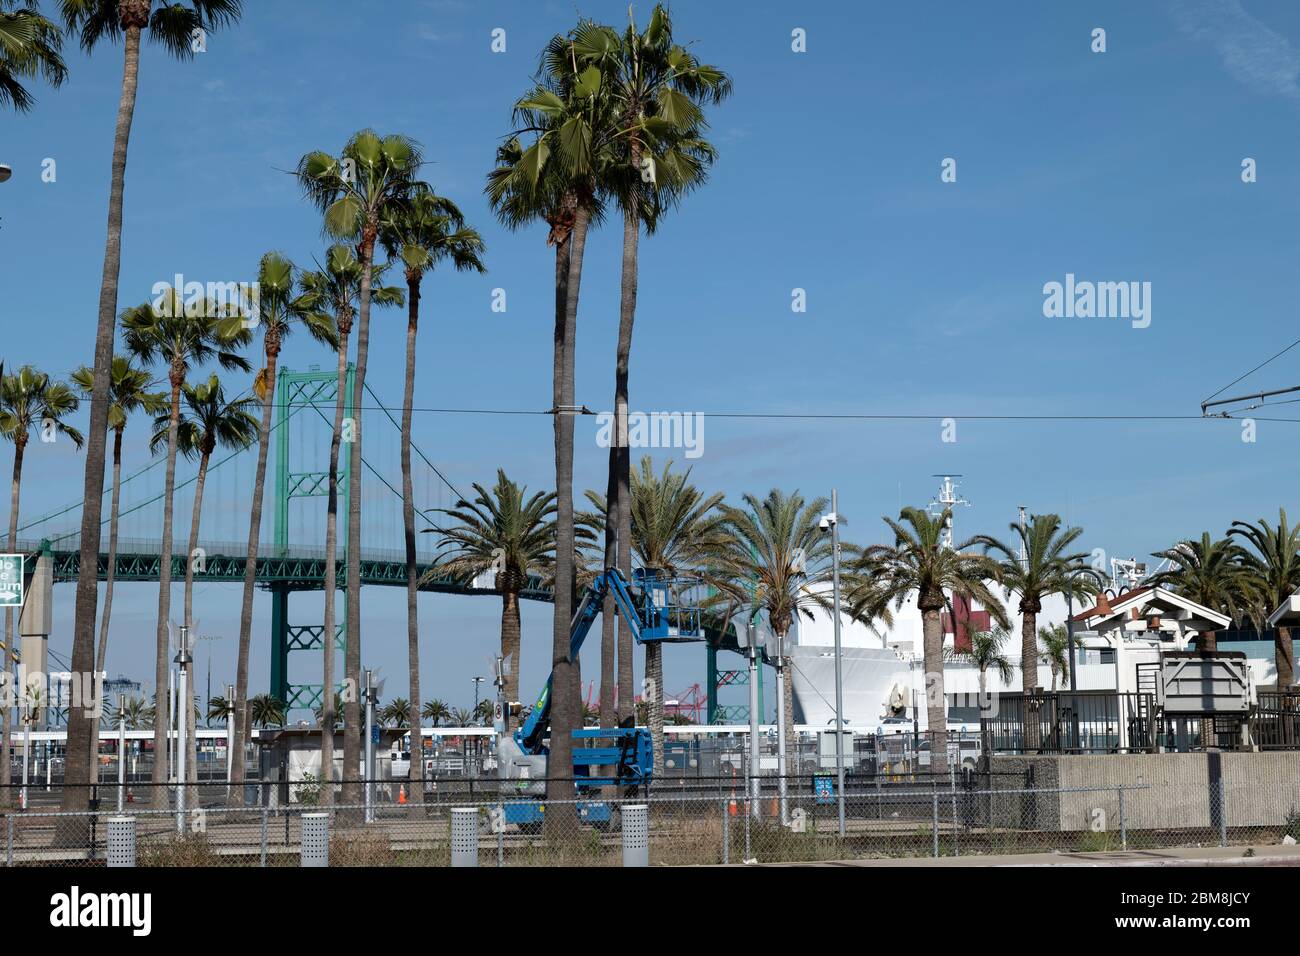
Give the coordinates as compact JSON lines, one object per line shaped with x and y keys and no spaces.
{"x":952,"y":815}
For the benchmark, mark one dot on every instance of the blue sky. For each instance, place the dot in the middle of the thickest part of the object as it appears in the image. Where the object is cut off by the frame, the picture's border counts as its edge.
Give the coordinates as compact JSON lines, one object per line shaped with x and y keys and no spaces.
{"x":924,"y":298}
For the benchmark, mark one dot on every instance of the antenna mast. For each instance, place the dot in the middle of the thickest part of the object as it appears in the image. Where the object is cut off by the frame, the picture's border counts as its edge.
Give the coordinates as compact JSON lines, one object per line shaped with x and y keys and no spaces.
{"x":947,"y":500}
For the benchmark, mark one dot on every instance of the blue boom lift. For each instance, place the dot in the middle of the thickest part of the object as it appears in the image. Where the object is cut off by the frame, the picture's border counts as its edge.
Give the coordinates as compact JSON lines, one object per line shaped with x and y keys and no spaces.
{"x":655,"y":608}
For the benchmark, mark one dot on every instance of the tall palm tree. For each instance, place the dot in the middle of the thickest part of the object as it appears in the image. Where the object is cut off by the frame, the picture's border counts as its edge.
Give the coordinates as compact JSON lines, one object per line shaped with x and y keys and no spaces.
{"x":1055,"y":653}
{"x":920,"y":562}
{"x":30,"y":46}
{"x":29,"y":399}
{"x":221,"y":709}
{"x":209,"y":420}
{"x":136,"y":714}
{"x":337,"y":284}
{"x":267,"y":711}
{"x":655,"y":91}
{"x":986,"y":653}
{"x":1046,"y":568}
{"x":675,"y":529}
{"x":777,"y":561}
{"x":396,"y":713}
{"x":356,"y":194}
{"x":281,"y":307}
{"x":426,"y":229}
{"x":129,"y":391}
{"x":171,"y":24}
{"x":1275,"y":569}
{"x":1213,"y":573}
{"x":177,"y":336}
{"x":554,"y":178}
{"x":508,"y":533}
{"x":435,"y":711}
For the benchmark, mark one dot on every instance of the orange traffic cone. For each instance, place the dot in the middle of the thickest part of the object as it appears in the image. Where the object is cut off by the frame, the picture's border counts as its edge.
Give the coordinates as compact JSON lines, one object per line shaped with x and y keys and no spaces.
{"x":401,"y":794}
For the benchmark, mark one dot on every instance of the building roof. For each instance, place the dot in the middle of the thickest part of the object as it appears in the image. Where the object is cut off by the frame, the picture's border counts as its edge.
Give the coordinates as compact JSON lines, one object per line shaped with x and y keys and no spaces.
{"x":1148,"y":594}
{"x":1286,"y":612}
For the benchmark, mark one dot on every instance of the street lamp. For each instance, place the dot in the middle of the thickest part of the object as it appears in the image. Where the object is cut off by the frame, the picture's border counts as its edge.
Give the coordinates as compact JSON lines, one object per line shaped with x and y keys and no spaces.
{"x":477,"y":681}
{"x":182,"y":662}
{"x":832,"y":521}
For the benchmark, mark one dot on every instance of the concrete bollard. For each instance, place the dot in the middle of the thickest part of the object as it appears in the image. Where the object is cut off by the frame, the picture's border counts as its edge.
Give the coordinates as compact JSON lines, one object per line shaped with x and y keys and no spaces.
{"x":636,"y":835}
{"x":464,"y":836}
{"x":121,"y":841}
{"x":315,"y":840}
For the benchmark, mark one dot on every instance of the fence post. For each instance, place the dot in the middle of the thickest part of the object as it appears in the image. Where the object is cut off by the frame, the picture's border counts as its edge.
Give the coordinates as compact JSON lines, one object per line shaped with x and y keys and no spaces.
{"x":726,"y":831}
{"x":464,"y":836}
{"x":935,"y":794}
{"x":1123,"y":822}
{"x":501,"y":837}
{"x":1223,"y":812}
{"x":9,"y":840}
{"x":748,"y":816}
{"x":636,"y":835}
{"x":263,"y":840}
{"x":315,"y":848}
{"x":121,"y":841}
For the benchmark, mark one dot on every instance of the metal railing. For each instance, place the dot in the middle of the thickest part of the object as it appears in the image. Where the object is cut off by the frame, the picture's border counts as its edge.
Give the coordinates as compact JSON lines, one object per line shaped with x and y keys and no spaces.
{"x":1071,"y":722}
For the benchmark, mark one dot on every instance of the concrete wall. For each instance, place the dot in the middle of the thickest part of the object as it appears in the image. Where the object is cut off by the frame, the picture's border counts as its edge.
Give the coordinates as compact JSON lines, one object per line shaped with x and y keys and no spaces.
{"x":1181,"y":789}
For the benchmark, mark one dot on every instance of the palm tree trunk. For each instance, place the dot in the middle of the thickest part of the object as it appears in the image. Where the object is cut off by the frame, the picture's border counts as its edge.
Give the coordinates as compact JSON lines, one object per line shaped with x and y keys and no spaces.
{"x":1029,"y":676}
{"x":416,"y":769}
{"x":328,"y":715}
{"x":164,"y":602}
{"x":654,"y":681}
{"x":242,"y":733}
{"x":1284,"y":658}
{"x":11,"y":657}
{"x":102,"y":652}
{"x":1028,"y":651}
{"x":936,"y":709}
{"x":511,"y":644}
{"x":609,"y":709}
{"x":352,"y":653}
{"x":78,"y":766}
{"x":623,"y":496}
{"x":566,"y":687}
{"x":185,"y":708}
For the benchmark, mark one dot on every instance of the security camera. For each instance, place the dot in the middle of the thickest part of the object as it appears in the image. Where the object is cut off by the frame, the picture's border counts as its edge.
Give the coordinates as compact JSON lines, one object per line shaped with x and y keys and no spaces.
{"x":5,"y":172}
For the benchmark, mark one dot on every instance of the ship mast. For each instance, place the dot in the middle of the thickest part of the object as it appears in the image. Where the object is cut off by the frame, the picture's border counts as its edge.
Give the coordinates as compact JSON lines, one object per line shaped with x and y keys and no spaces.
{"x":947,"y":500}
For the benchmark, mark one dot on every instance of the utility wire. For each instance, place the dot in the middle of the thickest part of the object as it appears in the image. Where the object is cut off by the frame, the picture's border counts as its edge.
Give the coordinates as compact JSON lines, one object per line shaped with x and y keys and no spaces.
{"x":827,"y":416}
{"x":1252,"y":371}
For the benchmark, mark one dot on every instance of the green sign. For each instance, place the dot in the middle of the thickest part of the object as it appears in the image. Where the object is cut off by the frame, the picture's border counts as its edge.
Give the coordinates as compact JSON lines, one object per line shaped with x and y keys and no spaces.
{"x":11,"y":580}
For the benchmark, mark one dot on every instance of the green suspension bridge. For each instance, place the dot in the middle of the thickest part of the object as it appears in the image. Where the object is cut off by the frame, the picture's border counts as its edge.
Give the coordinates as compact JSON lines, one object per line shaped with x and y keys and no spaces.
{"x":301,"y":431}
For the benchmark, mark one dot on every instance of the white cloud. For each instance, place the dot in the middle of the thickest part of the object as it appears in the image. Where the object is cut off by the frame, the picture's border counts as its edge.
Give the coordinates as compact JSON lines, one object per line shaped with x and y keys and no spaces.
{"x":1252,"y":52}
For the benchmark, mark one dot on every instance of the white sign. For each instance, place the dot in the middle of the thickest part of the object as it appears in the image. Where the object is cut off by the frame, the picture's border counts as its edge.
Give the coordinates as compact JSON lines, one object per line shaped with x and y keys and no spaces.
{"x":11,"y":580}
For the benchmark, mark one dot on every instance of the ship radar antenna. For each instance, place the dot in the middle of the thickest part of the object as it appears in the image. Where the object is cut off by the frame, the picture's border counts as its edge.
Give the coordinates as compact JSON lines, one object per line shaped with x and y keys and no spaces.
{"x":947,"y":500}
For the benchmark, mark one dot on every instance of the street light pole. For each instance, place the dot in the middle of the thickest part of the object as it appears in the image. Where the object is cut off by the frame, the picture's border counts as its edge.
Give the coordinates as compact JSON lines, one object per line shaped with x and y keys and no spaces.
{"x":753,"y":720}
{"x":182,"y":723}
{"x":121,"y":752}
{"x":370,"y":745}
{"x":839,"y":674}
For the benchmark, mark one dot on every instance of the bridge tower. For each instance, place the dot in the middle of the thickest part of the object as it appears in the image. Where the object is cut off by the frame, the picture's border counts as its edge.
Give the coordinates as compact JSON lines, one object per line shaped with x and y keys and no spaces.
{"x":297,"y":393}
